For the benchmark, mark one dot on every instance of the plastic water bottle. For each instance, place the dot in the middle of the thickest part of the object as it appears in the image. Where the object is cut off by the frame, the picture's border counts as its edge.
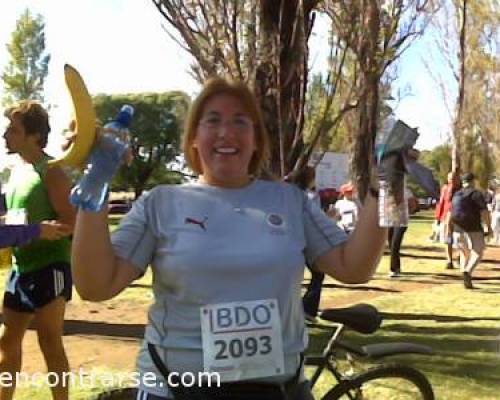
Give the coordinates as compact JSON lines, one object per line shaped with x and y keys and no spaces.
{"x":392,"y":202}
{"x":105,"y":157}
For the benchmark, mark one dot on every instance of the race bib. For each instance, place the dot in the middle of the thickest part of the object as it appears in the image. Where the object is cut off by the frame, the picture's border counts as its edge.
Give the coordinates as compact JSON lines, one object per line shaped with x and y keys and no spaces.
{"x":242,"y":340}
{"x":16,"y":216}
{"x":348,"y":218}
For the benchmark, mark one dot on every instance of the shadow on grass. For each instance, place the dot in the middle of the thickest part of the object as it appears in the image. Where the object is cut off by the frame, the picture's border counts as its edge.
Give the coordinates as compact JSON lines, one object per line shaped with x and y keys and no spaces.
{"x":122,"y":331}
{"x":305,"y":282}
{"x":453,"y":274}
{"x":433,"y":317}
{"x":495,"y":292}
{"x":443,"y":278}
{"x":486,"y":278}
{"x":431,"y":281}
{"x":424,"y":257}
{"x":435,"y":248}
{"x":434,"y":338}
{"x":472,"y":331}
{"x":442,"y":258}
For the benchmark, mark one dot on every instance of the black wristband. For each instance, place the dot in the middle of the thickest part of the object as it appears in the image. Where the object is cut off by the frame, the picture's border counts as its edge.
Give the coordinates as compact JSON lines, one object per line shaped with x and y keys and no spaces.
{"x":374,"y":192}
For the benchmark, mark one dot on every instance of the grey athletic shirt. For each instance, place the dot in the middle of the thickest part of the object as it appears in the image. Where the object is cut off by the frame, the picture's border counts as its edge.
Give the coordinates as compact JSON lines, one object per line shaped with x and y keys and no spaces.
{"x":211,"y":245}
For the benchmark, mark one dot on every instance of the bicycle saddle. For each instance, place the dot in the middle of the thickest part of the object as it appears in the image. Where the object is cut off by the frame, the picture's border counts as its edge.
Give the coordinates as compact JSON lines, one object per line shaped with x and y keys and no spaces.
{"x":363,"y":318}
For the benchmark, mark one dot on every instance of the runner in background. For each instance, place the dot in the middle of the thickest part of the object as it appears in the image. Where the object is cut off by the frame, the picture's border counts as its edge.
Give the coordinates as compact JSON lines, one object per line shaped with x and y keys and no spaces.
{"x":347,"y":208}
{"x":442,"y":214}
{"x":39,"y":283}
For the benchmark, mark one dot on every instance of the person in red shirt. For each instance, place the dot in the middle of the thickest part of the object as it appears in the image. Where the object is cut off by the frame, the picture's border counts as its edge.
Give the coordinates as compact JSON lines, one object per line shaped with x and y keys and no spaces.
{"x":442,"y":214}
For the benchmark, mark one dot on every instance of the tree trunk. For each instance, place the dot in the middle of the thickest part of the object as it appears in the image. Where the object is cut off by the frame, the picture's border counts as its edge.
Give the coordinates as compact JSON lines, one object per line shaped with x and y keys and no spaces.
{"x":457,"y":126}
{"x":369,"y":99}
{"x":281,"y":77}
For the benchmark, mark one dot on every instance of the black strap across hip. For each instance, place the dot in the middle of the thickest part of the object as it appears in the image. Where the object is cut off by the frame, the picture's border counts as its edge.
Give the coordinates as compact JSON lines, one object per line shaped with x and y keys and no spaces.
{"x":231,"y":390}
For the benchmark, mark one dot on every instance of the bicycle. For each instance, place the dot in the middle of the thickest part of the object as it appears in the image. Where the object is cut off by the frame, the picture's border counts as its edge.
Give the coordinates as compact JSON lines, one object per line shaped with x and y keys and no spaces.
{"x":384,"y":381}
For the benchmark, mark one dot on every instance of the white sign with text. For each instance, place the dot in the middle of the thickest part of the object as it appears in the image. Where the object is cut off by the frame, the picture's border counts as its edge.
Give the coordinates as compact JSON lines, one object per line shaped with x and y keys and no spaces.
{"x":242,"y":340}
{"x":332,"y":170}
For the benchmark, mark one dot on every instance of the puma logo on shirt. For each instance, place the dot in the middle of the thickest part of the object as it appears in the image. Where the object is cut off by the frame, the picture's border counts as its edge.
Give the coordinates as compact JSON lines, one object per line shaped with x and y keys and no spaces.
{"x":193,"y":221}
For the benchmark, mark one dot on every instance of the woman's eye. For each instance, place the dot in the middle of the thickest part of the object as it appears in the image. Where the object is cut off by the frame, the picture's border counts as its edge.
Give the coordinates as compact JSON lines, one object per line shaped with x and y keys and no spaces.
{"x":213,"y":121}
{"x":242,"y":122}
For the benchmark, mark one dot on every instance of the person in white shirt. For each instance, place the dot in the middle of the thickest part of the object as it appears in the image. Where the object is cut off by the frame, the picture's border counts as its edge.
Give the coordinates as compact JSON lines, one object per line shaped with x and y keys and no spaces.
{"x":347,"y":208}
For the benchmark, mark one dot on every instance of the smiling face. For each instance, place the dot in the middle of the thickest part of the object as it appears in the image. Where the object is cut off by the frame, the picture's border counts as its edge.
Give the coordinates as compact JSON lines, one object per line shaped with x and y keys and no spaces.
{"x":225,"y":141}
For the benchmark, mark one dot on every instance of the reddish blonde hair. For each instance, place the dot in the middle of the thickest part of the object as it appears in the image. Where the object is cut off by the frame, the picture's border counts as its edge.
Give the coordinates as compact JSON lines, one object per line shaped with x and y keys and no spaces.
{"x":218,"y":86}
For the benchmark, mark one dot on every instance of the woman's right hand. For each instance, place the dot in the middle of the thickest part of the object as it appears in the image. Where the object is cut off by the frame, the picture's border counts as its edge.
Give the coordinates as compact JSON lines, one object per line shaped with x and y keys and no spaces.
{"x":52,"y":230}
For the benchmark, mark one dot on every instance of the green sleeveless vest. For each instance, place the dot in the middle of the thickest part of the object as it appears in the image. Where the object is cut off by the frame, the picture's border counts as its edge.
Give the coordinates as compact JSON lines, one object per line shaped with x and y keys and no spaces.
{"x":28,"y":192}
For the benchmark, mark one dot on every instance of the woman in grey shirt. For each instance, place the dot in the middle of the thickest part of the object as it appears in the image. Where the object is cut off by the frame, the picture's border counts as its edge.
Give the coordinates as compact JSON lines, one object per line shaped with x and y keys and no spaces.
{"x":228,"y":255}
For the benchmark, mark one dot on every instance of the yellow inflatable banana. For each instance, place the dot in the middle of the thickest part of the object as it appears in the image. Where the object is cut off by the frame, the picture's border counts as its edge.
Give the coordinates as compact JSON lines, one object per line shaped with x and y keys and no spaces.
{"x":85,"y":118}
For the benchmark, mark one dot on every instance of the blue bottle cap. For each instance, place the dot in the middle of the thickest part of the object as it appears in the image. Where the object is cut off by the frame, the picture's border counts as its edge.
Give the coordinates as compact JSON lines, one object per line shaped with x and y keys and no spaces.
{"x":125,"y":115}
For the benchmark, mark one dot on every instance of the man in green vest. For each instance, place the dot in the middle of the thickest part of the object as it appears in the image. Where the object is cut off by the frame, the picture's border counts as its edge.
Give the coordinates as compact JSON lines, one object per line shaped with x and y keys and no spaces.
{"x":39,"y":283}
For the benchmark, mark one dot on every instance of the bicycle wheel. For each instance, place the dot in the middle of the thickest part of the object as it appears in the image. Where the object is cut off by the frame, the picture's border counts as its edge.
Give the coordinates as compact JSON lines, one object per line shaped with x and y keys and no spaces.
{"x":388,"y":382}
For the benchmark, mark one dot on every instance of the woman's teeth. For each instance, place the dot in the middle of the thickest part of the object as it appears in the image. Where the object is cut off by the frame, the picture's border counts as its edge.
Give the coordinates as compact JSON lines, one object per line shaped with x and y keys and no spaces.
{"x":226,"y":150}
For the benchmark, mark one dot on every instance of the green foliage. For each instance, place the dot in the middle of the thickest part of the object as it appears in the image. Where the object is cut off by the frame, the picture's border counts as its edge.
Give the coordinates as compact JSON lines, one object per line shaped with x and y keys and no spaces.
{"x":163,"y":175}
{"x":477,"y":158}
{"x":438,"y":160}
{"x":155,"y":135}
{"x":314,"y":111}
{"x":416,"y":189}
{"x":25,"y":74}
{"x":338,"y":124}
{"x":323,"y":117}
{"x":480,"y":119}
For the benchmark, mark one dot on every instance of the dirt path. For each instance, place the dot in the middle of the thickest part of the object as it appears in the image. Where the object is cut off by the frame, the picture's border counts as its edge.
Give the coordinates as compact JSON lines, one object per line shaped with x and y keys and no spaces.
{"x":109,"y":334}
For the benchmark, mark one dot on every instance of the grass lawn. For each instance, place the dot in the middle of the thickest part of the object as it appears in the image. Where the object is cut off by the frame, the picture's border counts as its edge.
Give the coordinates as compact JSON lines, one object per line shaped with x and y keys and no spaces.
{"x":462,"y":326}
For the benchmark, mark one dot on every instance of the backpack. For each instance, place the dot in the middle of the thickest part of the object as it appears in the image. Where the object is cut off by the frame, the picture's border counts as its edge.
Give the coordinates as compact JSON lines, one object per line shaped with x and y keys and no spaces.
{"x":462,"y":208}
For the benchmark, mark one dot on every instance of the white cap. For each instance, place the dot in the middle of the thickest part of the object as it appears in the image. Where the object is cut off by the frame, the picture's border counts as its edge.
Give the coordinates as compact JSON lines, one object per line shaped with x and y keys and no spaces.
{"x":127,"y":109}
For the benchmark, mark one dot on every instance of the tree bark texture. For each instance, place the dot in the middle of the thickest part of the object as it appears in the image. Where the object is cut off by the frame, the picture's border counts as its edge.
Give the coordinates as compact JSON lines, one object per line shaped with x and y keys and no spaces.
{"x":369,"y":99}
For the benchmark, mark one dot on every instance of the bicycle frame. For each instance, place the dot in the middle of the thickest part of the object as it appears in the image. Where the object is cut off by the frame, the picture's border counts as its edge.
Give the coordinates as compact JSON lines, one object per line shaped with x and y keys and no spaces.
{"x":325,"y":359}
